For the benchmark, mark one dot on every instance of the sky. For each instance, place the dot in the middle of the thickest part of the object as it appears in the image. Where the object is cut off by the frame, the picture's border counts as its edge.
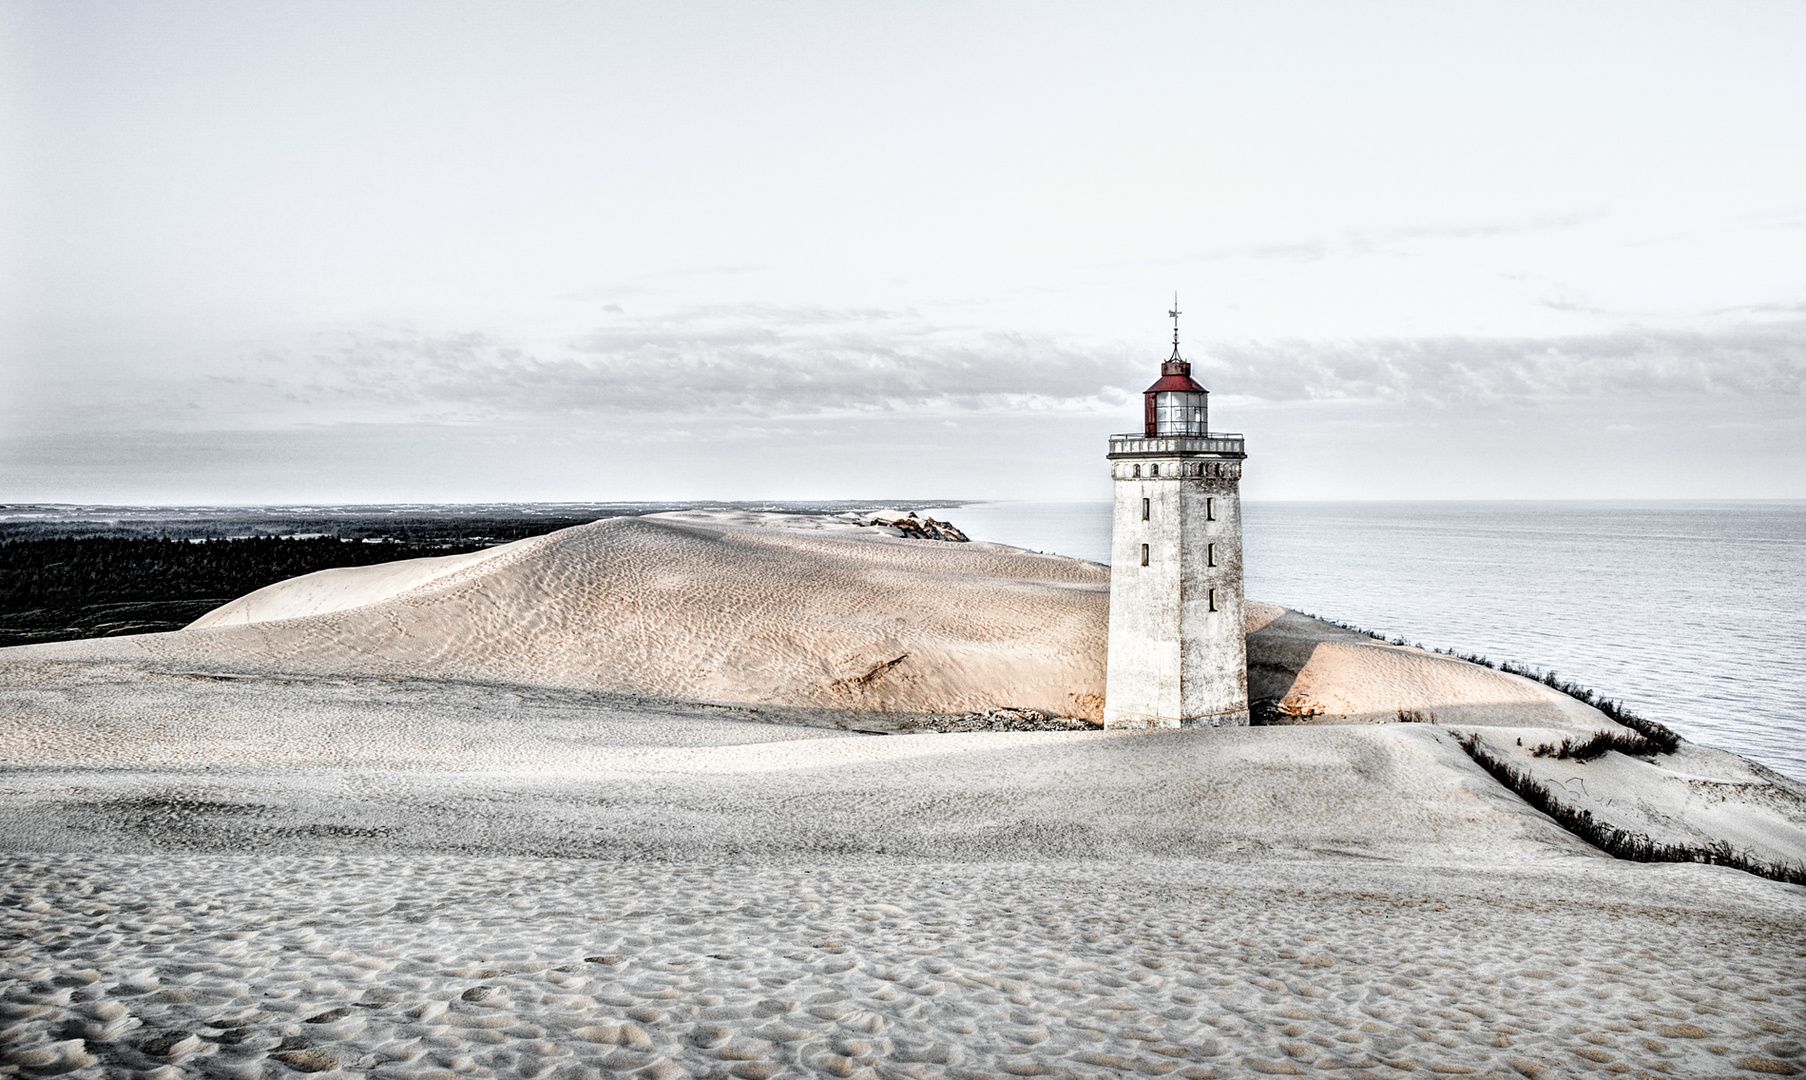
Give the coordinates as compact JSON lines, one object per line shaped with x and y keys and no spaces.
{"x":350,"y":252}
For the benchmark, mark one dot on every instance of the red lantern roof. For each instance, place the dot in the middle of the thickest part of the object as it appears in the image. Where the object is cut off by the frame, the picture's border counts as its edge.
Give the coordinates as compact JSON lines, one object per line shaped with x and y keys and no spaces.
{"x":1175,"y":374}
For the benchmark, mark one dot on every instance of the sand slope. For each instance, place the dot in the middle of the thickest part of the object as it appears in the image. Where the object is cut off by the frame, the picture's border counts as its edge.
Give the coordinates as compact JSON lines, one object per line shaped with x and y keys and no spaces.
{"x":342,"y":589}
{"x":791,"y":610}
{"x":711,"y":606}
{"x":432,"y":767}
{"x":819,"y":613}
{"x":260,"y":876}
{"x":1322,"y":673}
{"x":1697,"y":797}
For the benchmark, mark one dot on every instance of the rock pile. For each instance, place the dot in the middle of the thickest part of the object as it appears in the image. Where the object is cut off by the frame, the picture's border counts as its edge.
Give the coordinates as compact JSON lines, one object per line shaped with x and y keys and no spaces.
{"x":921,"y":528}
{"x":1001,"y":720}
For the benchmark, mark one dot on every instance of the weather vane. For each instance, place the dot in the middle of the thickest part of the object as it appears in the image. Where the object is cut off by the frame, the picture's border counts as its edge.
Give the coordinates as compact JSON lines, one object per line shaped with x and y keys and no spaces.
{"x":1174,"y":315}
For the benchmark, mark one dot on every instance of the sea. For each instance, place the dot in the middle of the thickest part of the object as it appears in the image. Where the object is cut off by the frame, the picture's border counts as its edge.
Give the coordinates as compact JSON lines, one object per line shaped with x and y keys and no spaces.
{"x":1691,"y":613}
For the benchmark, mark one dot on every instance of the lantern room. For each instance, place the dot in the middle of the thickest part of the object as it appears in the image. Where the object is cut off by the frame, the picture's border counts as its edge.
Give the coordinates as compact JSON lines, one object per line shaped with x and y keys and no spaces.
{"x":1176,"y":405}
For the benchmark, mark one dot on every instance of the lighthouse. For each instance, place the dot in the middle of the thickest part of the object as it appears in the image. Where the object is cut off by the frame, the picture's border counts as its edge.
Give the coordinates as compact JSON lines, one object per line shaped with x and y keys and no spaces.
{"x":1177,"y":656}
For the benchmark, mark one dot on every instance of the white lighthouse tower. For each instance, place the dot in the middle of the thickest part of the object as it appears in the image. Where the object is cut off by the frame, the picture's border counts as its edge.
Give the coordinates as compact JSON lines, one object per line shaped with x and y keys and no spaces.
{"x":1177,"y":655}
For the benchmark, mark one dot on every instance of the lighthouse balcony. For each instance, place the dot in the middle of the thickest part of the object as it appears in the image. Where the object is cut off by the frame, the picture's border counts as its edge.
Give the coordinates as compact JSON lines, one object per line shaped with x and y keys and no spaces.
{"x":1216,"y":444}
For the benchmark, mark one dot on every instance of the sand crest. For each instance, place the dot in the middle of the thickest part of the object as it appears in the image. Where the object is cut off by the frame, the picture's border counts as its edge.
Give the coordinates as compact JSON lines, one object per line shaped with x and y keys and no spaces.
{"x":1321,"y":673}
{"x":717,"y":606}
{"x":800,"y":610}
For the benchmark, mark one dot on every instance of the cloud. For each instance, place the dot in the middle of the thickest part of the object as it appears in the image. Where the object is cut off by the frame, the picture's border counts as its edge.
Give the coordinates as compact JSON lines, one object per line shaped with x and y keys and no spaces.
{"x":755,"y":361}
{"x":745,"y":360}
{"x":1369,"y":242}
{"x":1489,"y":229}
{"x":753,"y":364}
{"x":1748,"y":361}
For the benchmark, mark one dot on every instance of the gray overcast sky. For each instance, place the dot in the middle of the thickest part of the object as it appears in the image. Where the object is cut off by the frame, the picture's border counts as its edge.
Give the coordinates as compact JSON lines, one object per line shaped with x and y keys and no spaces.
{"x":352,"y":251}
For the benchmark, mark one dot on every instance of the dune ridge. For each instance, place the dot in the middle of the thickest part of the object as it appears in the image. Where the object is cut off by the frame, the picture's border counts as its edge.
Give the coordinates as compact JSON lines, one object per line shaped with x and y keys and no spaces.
{"x":343,"y":588}
{"x":797,"y":610}
{"x":717,"y":606}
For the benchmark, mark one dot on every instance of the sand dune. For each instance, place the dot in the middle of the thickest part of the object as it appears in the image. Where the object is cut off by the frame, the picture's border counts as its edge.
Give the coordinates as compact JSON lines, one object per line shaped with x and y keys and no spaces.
{"x":711,"y":606}
{"x":292,"y":762}
{"x":799,"y":612}
{"x":327,"y":591}
{"x":1321,"y":673}
{"x":1696,"y":797}
{"x":790,"y":610}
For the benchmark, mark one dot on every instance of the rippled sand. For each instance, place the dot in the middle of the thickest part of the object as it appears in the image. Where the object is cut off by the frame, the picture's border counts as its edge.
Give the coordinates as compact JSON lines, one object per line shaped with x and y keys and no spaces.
{"x":245,"y":967}
{"x":675,"y":890}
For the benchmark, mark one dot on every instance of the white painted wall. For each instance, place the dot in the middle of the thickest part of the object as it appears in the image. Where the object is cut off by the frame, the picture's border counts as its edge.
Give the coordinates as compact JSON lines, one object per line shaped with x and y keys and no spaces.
{"x":1173,"y":661}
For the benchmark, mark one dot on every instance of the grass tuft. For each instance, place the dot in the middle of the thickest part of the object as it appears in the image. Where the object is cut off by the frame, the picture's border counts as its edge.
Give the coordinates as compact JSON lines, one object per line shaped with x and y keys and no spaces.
{"x":1662,"y":736}
{"x":1616,"y":842}
{"x":1597,"y":744}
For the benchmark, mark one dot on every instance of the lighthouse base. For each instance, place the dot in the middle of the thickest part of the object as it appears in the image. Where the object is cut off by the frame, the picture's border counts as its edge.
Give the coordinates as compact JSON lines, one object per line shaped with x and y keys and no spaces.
{"x":1151,"y":723}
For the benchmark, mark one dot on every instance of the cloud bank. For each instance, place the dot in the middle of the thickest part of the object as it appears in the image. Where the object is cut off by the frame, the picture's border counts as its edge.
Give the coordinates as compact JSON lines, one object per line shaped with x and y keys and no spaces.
{"x":768,"y":363}
{"x":751,"y":364}
{"x":1753,"y":361}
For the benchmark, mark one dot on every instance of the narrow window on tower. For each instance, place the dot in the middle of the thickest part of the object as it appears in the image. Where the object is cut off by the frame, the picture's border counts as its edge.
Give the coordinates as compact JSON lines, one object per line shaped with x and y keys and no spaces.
{"x":1210,"y":554}
{"x":1156,"y":468}
{"x":1144,"y":509}
{"x":1137,"y":472}
{"x":1210,"y":509}
{"x":1213,"y":599}
{"x":1144,"y":562}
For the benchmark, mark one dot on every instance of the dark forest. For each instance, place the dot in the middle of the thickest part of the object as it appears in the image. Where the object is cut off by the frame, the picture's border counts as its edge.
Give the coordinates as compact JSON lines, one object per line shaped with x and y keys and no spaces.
{"x":58,"y":589}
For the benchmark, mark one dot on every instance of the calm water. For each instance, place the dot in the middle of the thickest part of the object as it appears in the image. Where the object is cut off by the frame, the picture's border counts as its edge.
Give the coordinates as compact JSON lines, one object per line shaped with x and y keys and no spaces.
{"x":1693,"y":613}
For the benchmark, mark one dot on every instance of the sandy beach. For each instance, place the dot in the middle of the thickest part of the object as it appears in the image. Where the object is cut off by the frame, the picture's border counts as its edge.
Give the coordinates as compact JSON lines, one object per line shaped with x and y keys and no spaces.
{"x":336,"y":830}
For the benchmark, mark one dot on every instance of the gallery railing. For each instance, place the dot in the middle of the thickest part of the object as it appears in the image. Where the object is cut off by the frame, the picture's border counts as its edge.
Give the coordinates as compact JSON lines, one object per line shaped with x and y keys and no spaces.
{"x":1226,"y":443}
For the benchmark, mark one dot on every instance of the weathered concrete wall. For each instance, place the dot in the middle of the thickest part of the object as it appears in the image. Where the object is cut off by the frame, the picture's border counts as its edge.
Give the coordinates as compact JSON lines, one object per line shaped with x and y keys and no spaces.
{"x":1213,"y":667}
{"x":1177,"y":653}
{"x":1141,"y":687}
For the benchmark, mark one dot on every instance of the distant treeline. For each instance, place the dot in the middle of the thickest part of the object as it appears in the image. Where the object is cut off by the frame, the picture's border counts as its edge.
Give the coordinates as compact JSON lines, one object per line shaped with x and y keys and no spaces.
{"x":60,"y":589}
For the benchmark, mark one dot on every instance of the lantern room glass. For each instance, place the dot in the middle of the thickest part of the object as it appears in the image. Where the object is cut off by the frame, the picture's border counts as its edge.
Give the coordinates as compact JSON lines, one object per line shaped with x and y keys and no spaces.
{"x":1180,"y":412}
